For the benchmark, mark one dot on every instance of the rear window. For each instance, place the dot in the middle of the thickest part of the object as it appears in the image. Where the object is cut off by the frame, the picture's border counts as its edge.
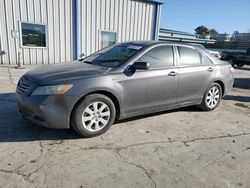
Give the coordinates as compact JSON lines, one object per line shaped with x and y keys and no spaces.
{"x":188,"y":56}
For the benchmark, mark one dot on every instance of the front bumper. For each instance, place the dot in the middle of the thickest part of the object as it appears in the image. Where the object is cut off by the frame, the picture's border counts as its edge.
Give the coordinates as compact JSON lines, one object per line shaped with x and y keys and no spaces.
{"x":49,"y":111}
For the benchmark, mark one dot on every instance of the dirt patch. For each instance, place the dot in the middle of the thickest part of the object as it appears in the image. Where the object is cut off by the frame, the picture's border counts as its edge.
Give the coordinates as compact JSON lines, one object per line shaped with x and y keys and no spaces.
{"x":241,"y":105}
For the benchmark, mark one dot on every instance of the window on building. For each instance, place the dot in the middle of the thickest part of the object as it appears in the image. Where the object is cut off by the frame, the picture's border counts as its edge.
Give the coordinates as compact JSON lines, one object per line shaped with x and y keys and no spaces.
{"x":107,"y":38}
{"x":159,"y":57}
{"x":188,"y":56}
{"x":33,"y":35}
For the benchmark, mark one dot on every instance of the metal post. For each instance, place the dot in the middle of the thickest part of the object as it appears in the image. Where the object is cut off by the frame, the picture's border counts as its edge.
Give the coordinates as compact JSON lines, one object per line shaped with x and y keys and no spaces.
{"x":19,"y":61}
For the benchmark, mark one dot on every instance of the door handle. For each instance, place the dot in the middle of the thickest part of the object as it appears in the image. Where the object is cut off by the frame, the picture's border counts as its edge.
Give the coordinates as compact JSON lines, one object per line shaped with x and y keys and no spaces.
{"x":172,"y":73}
{"x":210,"y":69}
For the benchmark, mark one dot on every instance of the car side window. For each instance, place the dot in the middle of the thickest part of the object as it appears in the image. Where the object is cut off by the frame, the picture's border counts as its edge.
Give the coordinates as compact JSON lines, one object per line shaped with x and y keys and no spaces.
{"x":205,"y":60}
{"x":159,"y":57}
{"x":188,"y":56}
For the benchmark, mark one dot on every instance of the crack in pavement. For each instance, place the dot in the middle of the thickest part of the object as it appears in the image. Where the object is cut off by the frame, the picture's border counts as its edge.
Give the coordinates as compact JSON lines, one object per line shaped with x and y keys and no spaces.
{"x":214,"y":137}
{"x":16,"y":171}
{"x":185,"y":142}
{"x":248,"y":148}
{"x":56,"y":143}
{"x":41,"y":149}
{"x":26,"y":177}
{"x":11,"y":79}
{"x":145,"y":171}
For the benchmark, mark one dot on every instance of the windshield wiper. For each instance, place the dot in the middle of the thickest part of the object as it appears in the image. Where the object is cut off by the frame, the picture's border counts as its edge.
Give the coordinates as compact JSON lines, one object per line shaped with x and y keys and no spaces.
{"x":89,"y":62}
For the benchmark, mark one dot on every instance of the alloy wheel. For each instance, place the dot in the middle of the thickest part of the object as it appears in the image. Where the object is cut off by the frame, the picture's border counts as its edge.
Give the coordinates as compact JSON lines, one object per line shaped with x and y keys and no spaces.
{"x":96,"y":116}
{"x":213,"y":97}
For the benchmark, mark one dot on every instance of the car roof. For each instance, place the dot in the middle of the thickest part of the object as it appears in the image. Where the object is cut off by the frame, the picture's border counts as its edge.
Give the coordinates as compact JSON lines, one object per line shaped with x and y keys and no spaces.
{"x":194,"y":44}
{"x":148,"y":43}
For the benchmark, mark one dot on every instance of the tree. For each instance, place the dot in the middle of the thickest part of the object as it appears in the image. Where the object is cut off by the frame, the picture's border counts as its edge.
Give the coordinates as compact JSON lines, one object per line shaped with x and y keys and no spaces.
{"x":235,"y":36}
{"x":236,"y":32}
{"x":202,"y":30}
{"x":213,"y":32}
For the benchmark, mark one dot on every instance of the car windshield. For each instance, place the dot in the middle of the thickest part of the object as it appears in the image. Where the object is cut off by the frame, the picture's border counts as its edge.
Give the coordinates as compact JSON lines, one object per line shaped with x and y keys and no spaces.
{"x":112,"y":56}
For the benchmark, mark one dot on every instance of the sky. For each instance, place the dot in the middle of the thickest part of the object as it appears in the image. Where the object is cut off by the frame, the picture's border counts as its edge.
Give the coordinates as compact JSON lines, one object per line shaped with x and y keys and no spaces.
{"x":226,"y":16}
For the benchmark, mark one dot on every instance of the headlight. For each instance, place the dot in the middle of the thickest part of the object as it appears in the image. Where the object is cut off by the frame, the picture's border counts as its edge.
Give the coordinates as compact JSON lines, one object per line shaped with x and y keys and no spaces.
{"x":52,"y":90}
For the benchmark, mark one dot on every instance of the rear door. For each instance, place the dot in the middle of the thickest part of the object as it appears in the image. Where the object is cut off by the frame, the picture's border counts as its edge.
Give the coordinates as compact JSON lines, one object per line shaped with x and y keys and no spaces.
{"x":196,"y":71}
{"x":146,"y":90}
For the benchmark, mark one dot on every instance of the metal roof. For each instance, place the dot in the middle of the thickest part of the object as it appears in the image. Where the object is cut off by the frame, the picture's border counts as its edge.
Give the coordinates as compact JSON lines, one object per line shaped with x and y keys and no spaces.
{"x":186,"y":37}
{"x":180,"y":39}
{"x":176,"y":32}
{"x":156,"y":1}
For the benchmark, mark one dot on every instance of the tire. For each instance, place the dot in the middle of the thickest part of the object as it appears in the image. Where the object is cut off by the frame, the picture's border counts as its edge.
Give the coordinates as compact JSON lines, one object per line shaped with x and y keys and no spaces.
{"x":207,"y":98}
{"x":93,"y":116}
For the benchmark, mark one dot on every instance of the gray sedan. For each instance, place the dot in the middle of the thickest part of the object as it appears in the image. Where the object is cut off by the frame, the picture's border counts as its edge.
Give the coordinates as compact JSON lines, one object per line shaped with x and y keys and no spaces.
{"x":121,"y":81}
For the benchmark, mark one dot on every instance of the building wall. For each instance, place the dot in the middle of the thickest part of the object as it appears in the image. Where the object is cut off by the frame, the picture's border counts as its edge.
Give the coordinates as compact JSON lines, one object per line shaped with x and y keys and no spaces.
{"x":130,"y":19}
{"x":57,"y":14}
{"x":241,"y":37}
{"x":222,"y":37}
{"x":69,"y":33}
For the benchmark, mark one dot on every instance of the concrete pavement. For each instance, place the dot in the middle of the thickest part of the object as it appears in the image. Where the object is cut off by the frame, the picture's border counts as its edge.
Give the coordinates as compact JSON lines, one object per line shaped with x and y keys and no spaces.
{"x":178,"y":148}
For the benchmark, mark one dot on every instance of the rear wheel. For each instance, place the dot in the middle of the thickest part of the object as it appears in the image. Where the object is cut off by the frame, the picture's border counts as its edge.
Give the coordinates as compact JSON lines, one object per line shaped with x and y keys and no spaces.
{"x":211,"y":98}
{"x":94,"y":115}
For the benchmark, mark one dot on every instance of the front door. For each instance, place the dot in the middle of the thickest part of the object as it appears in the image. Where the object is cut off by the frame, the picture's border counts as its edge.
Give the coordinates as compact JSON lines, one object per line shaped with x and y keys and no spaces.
{"x":147,"y":90}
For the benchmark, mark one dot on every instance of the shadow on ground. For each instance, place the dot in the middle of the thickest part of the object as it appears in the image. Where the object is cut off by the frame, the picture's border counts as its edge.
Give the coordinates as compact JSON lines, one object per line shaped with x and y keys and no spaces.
{"x":243,"y":68}
{"x":237,"y":98}
{"x":243,"y":83}
{"x":14,"y":129}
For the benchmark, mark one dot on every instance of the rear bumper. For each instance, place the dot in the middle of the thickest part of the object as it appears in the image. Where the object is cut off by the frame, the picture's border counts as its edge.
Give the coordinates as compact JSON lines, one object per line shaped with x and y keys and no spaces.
{"x":47,"y":111}
{"x":228,"y":85}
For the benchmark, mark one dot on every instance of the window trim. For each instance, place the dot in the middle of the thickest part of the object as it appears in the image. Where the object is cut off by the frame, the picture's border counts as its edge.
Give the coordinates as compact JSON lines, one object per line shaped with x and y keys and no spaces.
{"x":109,"y":31}
{"x":33,"y":47}
{"x":191,"y":47}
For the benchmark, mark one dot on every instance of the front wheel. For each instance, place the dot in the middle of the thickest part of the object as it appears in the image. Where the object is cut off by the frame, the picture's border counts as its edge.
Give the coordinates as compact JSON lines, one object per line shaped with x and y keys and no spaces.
{"x":211,"y":98}
{"x":94,"y":115}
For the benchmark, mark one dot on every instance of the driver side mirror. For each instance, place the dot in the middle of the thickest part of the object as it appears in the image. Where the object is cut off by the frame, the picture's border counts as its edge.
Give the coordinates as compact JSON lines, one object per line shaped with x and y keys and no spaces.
{"x":141,"y":65}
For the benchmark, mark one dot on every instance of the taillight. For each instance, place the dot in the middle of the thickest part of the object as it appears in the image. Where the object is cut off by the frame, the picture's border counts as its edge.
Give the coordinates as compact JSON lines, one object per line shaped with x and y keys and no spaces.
{"x":231,"y":69}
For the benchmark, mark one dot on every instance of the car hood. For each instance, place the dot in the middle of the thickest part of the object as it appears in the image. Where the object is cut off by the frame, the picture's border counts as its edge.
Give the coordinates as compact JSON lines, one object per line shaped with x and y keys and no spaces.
{"x":62,"y":72}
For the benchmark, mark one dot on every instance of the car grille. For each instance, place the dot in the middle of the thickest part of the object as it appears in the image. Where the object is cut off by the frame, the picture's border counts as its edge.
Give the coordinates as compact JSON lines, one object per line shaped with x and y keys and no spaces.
{"x":24,"y":86}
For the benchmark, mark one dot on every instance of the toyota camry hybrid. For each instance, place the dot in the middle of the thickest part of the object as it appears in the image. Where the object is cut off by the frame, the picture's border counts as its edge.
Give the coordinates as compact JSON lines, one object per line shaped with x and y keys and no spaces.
{"x":121,"y":81}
